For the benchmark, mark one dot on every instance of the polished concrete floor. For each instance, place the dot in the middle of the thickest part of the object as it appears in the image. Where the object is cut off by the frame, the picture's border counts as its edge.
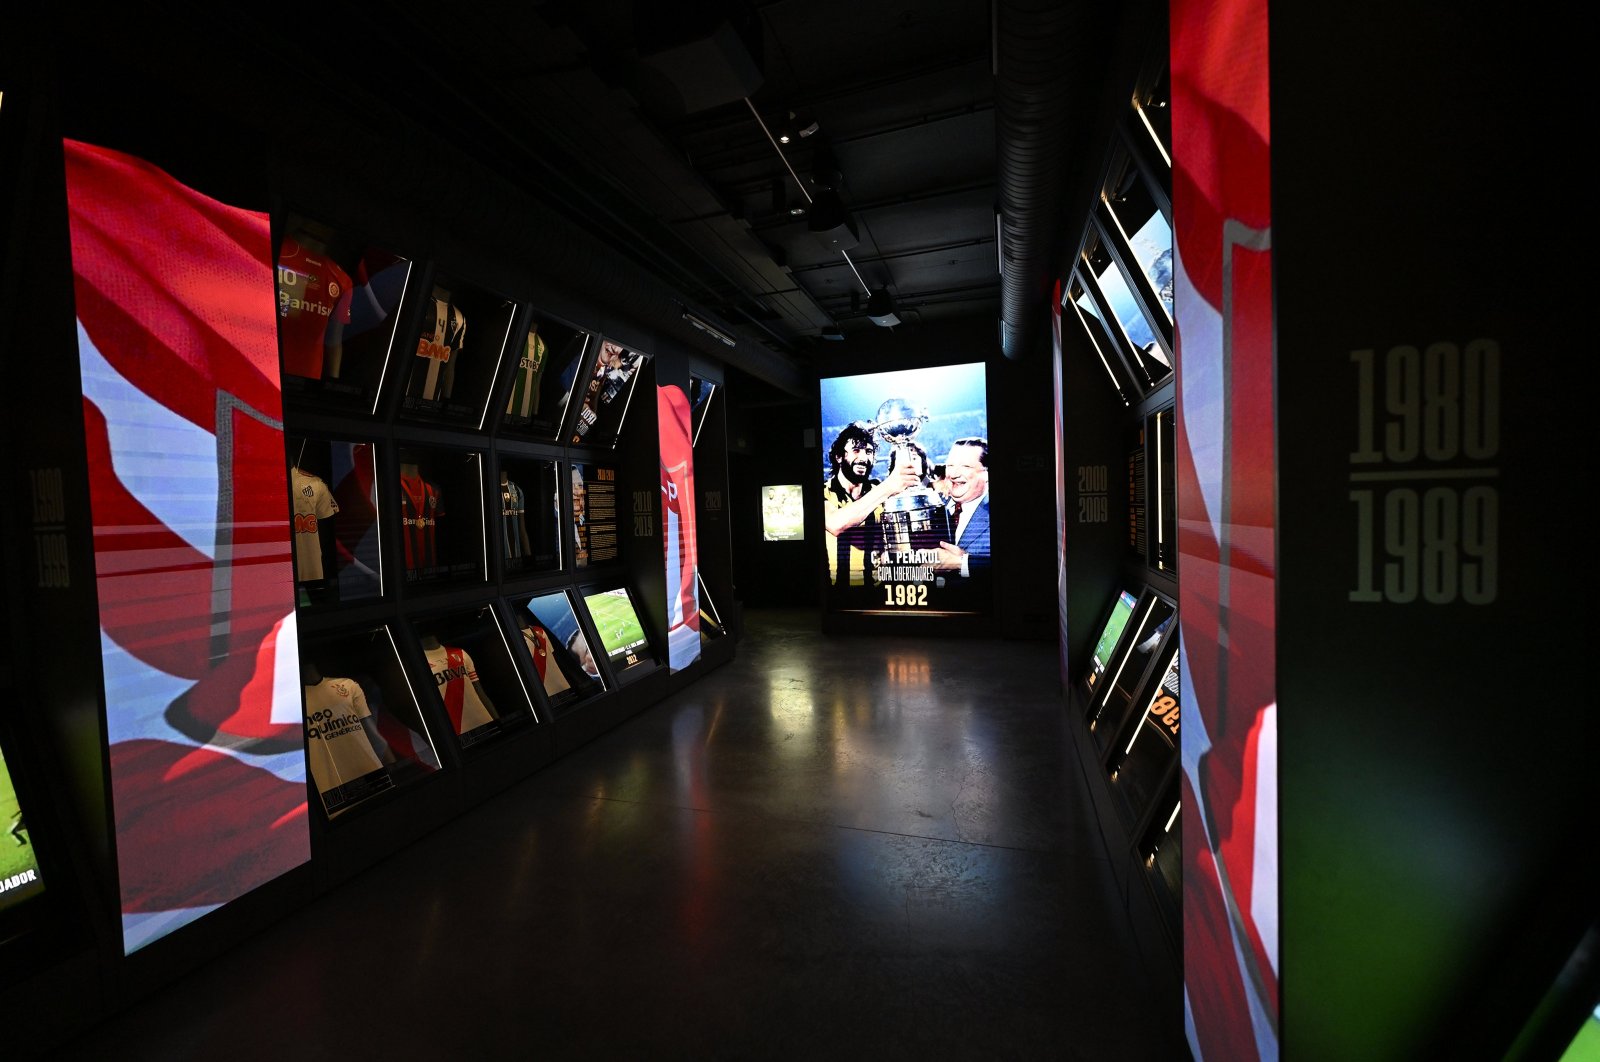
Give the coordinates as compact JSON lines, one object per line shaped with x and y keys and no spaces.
{"x":830,"y":848}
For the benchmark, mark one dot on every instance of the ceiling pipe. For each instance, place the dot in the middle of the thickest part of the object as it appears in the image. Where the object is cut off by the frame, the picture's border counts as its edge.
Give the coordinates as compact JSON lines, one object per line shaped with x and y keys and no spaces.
{"x":1040,"y":51}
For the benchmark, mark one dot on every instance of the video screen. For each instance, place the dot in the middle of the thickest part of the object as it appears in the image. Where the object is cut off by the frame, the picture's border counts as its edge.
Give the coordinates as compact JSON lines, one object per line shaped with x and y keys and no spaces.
{"x":617,"y":624}
{"x":183,"y":416}
{"x":682,"y":546}
{"x":1120,"y":612}
{"x":905,"y":492}
{"x":19,"y":867}
{"x":782,"y":514}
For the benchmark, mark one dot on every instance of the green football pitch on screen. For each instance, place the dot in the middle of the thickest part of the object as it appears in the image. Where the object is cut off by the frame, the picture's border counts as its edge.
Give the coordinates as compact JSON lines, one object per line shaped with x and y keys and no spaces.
{"x":615,"y":621}
{"x":16,"y":856}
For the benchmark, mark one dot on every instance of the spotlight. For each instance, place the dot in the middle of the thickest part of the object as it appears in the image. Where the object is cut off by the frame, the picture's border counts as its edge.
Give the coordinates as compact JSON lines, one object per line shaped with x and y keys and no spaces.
{"x":881,"y":309}
{"x":831,"y":223}
{"x":797,"y":209}
{"x":802,"y":124}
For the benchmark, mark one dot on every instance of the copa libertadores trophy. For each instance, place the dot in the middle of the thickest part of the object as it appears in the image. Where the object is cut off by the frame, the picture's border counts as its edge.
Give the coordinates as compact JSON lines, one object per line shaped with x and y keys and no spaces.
{"x":916,"y":517}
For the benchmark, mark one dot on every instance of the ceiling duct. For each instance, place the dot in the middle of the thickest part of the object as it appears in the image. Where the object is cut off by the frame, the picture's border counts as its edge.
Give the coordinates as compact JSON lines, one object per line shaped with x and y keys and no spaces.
{"x":1041,"y":48}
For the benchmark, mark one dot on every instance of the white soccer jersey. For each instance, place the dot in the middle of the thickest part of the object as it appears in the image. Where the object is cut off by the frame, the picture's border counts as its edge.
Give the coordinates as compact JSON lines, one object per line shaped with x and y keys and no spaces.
{"x":337,"y":745}
{"x":457,"y":677}
{"x":313,"y":502}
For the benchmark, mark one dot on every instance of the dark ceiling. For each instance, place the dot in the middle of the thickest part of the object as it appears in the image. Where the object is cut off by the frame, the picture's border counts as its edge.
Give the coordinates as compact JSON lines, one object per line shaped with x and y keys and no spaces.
{"x":630,"y":117}
{"x":649,"y":114}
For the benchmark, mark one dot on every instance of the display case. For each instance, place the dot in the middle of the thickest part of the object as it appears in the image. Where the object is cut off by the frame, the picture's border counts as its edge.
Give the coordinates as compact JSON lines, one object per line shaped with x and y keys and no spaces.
{"x":22,"y":879}
{"x":549,"y":356}
{"x":529,"y":491}
{"x":606,"y":395}
{"x":365,"y":731}
{"x":1130,"y":666}
{"x":478,"y":688}
{"x":1105,"y":646}
{"x":333,"y":500}
{"x":438,"y":506}
{"x":1146,"y":748}
{"x":451,"y":362}
{"x":339,"y":300}
{"x":557,"y":649}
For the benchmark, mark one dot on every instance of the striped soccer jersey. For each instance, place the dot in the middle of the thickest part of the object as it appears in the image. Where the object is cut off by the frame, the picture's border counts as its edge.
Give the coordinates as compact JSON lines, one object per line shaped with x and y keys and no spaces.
{"x":848,"y":552}
{"x":457,"y":677}
{"x":524,"y":401}
{"x":550,"y":673}
{"x":313,"y":501}
{"x":421,"y":508}
{"x":444,"y":330}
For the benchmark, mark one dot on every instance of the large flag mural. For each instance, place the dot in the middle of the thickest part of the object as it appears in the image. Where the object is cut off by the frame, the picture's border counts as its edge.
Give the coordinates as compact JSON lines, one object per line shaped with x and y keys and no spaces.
{"x":1226,"y":493}
{"x":178,"y":348}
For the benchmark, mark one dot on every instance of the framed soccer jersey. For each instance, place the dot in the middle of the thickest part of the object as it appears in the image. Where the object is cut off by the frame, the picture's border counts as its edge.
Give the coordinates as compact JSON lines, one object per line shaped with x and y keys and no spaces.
{"x":450,"y":365}
{"x":545,"y":364}
{"x":530,"y":515}
{"x":439,"y":497}
{"x":365,"y":734}
{"x":338,"y":300}
{"x":333,"y":509}
{"x":468,"y":655}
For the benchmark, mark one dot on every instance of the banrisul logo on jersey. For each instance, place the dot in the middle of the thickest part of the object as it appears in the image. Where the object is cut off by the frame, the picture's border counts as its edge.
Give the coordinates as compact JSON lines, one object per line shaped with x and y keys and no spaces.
{"x":177,"y":343}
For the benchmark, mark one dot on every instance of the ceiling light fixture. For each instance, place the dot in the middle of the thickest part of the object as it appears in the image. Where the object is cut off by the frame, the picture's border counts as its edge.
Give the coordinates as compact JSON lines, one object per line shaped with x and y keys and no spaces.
{"x":708,"y":329}
{"x":801,"y":185}
{"x":881,"y":309}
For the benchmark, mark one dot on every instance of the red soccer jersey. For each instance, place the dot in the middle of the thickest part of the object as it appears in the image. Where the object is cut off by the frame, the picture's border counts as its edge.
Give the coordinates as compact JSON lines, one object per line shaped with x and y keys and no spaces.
{"x":421,"y":507}
{"x":313,"y":292}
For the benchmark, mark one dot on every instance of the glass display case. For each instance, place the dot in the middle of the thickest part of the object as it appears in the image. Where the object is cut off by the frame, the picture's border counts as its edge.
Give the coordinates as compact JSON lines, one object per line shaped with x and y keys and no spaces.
{"x":549,"y":355}
{"x":439,"y":500}
{"x":339,"y":300}
{"x":607,"y":393}
{"x":529,"y":490}
{"x":365,"y":733}
{"x":479,"y":690}
{"x":333,"y":504}
{"x":558,"y":649}
{"x":451,"y":363}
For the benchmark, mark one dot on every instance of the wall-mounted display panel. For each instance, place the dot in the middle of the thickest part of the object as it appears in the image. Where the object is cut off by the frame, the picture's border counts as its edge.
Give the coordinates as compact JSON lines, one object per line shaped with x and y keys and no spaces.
{"x":1121,"y":310}
{"x":1151,"y":747}
{"x":530,"y":515}
{"x":1087,"y":313}
{"x":333,"y":506}
{"x":439,"y":497}
{"x":906,"y":492}
{"x":478,"y":687}
{"x":364,"y":731}
{"x":558,"y":649}
{"x":20,"y":877}
{"x":182,"y":409}
{"x":1110,"y":637}
{"x":1130,"y":666}
{"x":616,"y":623}
{"x":606,"y":395}
{"x":783,"y":517}
{"x":680,"y":537}
{"x":594,"y":514}
{"x":452,"y":361}
{"x":548,"y":358}
{"x":1227,"y":485}
{"x":339,"y":300}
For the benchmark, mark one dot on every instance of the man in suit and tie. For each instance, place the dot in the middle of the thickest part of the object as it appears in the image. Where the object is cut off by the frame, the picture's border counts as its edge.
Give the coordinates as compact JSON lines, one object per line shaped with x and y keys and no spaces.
{"x":967,"y":475}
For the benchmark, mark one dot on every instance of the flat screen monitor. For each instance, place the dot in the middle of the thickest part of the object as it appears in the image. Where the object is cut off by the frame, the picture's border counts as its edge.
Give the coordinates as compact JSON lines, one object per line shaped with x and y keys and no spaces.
{"x":782,"y":513}
{"x":1111,"y":635}
{"x":616,"y":622}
